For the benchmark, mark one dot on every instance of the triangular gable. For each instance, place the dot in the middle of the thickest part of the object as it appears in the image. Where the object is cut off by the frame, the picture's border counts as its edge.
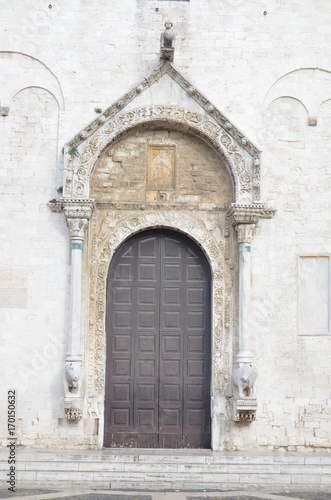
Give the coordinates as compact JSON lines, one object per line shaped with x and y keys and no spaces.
{"x":164,"y":96}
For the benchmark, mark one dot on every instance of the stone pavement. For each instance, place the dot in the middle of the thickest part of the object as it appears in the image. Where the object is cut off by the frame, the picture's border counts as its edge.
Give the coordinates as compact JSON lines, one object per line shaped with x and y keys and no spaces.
{"x":43,"y":494}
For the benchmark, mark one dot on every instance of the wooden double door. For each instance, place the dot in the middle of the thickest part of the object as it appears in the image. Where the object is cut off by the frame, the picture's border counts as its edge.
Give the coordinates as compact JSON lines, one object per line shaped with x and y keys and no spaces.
{"x":158,"y":344}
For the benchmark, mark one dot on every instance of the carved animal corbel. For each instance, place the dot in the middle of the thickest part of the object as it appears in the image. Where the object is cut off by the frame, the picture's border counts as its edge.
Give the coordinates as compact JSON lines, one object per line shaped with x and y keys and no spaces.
{"x":72,"y":378}
{"x":245,"y":379}
{"x":245,"y":404}
{"x":167,"y":42}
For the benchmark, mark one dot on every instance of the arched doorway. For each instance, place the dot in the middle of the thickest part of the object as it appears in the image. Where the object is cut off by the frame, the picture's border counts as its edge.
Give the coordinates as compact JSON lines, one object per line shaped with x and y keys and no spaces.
{"x":158,"y":321}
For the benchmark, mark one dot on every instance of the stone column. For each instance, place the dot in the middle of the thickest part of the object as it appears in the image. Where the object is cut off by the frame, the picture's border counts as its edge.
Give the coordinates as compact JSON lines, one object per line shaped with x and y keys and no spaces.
{"x":244,"y":232}
{"x":78,"y":213}
{"x":245,"y":372}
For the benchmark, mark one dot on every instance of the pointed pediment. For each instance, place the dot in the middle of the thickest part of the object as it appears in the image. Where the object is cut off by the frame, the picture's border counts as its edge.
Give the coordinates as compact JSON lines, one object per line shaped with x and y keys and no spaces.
{"x":165,"y":97}
{"x":166,"y":86}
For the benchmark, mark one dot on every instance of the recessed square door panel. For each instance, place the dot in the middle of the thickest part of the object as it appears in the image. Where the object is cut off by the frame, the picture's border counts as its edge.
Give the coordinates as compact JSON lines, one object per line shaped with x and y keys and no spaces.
{"x":147,"y":296}
{"x":123,"y":295}
{"x":172,"y":295}
{"x":172,"y":272}
{"x":147,"y":271}
{"x":123,"y":271}
{"x":171,"y":368}
{"x":122,"y":367}
{"x":171,"y":392}
{"x":196,"y":344}
{"x":172,"y":343}
{"x":146,"y":393}
{"x":122,"y":319}
{"x":146,"y":343}
{"x":147,"y":319}
{"x":121,"y":392}
{"x":195,"y":296}
{"x":122,"y":343}
{"x":158,"y":344}
{"x":146,"y":368}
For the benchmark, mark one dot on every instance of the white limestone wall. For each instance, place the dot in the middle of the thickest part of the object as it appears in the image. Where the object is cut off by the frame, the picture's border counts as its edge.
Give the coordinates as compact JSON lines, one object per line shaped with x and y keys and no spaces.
{"x":270,"y":73}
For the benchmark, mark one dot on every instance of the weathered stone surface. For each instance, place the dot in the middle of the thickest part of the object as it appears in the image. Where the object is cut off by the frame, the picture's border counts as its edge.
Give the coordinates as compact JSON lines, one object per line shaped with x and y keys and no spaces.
{"x":276,"y":93}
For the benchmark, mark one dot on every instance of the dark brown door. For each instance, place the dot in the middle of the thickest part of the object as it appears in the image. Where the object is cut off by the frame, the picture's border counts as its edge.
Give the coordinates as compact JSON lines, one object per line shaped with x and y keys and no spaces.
{"x":158,"y":344}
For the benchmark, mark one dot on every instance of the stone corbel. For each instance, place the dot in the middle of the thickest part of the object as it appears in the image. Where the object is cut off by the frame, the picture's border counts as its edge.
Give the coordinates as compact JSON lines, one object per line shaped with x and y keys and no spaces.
{"x":4,"y":110}
{"x":78,"y":213}
{"x":245,"y":373}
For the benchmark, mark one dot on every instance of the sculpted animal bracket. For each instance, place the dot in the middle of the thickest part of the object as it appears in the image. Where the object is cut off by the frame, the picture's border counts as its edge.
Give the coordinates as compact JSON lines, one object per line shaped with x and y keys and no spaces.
{"x":167,"y":42}
{"x":72,"y":379}
{"x":245,"y":381}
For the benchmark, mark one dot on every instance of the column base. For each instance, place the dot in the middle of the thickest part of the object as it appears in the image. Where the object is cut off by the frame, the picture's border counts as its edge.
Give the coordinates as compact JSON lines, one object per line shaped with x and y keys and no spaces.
{"x":244,"y":357}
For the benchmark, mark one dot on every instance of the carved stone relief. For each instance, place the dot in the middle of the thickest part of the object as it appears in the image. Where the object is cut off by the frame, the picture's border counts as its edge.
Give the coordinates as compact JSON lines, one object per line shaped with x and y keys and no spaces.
{"x":161,"y":167}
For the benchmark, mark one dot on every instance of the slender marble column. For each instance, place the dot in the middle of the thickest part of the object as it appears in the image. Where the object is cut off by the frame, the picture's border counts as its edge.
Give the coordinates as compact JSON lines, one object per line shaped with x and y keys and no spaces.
{"x":77,"y":215}
{"x":244,"y":232}
{"x":77,"y":228}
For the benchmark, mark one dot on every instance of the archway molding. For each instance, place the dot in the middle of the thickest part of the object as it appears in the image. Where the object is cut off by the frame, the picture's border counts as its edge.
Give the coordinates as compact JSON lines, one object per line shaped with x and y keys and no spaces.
{"x":114,"y":231}
{"x":168,"y":101}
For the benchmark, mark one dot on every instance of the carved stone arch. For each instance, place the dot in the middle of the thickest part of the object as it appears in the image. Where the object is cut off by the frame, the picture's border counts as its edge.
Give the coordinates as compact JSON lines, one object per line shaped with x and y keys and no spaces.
{"x":193,"y":112}
{"x":175,"y":119}
{"x":103,"y":249}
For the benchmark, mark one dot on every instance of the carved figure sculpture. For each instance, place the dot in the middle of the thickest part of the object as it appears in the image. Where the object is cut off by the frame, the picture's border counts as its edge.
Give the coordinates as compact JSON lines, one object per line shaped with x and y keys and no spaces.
{"x":168,"y":37}
{"x":72,"y":381}
{"x":245,"y":378}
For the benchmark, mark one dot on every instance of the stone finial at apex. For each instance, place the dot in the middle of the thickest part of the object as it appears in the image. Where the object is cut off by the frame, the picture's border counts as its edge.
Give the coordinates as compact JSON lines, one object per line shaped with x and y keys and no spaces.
{"x":167,"y":40}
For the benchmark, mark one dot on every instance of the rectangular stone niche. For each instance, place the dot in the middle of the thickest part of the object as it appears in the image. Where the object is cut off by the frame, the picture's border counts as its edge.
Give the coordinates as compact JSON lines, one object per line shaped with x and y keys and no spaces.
{"x":314,"y":295}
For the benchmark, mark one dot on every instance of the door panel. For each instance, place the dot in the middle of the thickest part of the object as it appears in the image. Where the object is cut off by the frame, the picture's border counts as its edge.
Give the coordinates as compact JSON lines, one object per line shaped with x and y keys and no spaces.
{"x":158,"y":344}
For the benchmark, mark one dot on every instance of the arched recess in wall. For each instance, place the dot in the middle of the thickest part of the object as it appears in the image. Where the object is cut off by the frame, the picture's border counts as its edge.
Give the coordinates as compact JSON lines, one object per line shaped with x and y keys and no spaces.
{"x":286,"y":120}
{"x":310,"y":86}
{"x":22,"y":71}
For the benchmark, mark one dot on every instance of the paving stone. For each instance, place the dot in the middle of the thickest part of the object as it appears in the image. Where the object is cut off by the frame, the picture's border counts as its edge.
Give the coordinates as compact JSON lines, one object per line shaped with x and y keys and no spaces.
{"x":111,"y":496}
{"x":241,"y":497}
{"x":314,"y":495}
{"x":25,"y":492}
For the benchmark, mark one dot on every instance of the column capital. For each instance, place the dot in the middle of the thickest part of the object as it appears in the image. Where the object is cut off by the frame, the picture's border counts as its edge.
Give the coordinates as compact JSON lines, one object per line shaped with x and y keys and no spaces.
{"x":244,"y":233}
{"x":244,"y":218}
{"x":77,"y":212}
{"x":248,"y":214}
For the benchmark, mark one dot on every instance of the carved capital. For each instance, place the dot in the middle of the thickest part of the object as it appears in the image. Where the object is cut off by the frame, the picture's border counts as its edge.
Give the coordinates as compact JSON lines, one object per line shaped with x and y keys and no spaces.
{"x":244,"y":218}
{"x":77,"y":228}
{"x":245,"y":233}
{"x":77,"y":212}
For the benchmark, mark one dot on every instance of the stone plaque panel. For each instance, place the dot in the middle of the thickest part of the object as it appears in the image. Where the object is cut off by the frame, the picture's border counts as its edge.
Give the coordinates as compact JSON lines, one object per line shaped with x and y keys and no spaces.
{"x":161,"y":167}
{"x":314,"y":295}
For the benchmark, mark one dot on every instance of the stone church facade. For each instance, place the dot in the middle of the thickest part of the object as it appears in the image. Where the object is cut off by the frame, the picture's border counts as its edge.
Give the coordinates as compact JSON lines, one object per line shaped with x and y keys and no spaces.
{"x":166,"y":218}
